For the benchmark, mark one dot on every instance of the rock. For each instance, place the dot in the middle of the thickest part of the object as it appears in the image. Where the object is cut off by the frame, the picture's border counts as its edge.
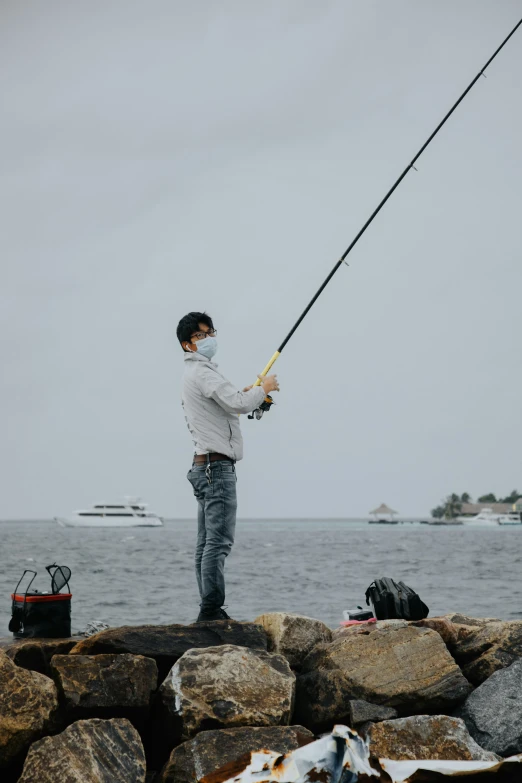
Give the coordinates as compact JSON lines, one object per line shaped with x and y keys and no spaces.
{"x":346,"y":630}
{"x":361,"y":711}
{"x":211,"y":750}
{"x":167,"y":643}
{"x":89,"y":751}
{"x":425,"y":737}
{"x":443,"y":626}
{"x":105,"y":686}
{"x":28,"y":705}
{"x":466,"y":627}
{"x":36,"y":654}
{"x":496,"y":645}
{"x":293,"y":635}
{"x":403,"y":667}
{"x":493,"y":712}
{"x":228,"y":686}
{"x":463,"y":619}
{"x":393,"y":623}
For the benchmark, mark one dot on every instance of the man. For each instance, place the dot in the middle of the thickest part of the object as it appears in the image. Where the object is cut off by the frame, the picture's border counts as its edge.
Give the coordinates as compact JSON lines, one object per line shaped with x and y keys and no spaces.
{"x":211,"y":405}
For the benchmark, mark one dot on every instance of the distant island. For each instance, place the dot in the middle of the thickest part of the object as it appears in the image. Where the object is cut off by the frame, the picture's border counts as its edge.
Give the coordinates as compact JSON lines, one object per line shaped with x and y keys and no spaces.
{"x":455,"y":505}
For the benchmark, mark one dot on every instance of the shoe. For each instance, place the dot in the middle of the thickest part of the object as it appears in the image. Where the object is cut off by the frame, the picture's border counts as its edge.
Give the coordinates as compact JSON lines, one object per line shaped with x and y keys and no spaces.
{"x":210,"y":615}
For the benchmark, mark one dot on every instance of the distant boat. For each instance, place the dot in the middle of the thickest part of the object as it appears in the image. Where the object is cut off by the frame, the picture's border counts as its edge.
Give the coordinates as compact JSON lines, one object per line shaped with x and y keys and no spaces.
{"x":484,"y":517}
{"x":384,"y":515}
{"x":132,"y":513}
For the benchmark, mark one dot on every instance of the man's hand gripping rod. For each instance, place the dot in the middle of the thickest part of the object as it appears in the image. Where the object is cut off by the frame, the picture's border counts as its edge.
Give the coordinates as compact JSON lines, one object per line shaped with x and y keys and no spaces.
{"x":268,"y":401}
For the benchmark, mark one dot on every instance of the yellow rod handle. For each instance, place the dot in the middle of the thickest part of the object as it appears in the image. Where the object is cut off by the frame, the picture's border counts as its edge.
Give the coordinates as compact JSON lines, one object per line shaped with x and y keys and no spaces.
{"x":268,"y":367}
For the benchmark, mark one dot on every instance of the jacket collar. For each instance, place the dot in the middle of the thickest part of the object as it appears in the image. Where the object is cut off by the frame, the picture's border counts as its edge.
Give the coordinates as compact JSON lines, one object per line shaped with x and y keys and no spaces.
{"x":197,"y":357}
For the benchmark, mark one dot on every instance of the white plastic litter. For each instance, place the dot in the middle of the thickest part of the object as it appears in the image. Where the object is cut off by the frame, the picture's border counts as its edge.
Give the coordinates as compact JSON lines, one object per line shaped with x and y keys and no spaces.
{"x":95,"y":626}
{"x":341,"y":754}
{"x":401,"y":771}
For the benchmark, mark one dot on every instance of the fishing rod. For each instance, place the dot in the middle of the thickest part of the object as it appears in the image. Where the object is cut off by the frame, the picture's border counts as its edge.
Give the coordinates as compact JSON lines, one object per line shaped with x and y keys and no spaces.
{"x":265,"y":406}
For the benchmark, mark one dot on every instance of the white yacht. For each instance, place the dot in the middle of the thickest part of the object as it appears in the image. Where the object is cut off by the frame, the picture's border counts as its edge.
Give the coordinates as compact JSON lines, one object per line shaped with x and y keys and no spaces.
{"x":131,"y":513}
{"x":484,"y":517}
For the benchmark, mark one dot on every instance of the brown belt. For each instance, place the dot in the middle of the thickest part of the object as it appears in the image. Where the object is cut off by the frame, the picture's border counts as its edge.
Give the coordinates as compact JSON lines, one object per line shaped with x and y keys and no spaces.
{"x":202,"y":459}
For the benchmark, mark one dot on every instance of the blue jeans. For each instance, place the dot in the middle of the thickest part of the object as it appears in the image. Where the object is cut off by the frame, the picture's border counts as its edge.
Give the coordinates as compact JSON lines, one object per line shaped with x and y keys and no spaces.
{"x":214,"y":486}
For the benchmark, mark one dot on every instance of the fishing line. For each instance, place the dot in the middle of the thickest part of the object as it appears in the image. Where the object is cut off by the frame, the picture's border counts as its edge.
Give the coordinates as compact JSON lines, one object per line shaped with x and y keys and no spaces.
{"x":265,"y":406}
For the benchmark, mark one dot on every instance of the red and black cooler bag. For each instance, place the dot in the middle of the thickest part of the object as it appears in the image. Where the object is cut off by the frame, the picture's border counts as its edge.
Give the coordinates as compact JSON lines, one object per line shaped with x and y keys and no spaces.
{"x":46,"y":615}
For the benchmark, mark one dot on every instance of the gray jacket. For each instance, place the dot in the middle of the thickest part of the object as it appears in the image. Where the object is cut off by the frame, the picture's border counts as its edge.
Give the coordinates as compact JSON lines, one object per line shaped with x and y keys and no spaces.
{"x":211,"y":405}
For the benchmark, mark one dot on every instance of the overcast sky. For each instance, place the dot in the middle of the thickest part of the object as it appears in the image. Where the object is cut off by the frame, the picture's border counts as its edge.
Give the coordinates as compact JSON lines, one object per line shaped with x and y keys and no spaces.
{"x":166,"y":156}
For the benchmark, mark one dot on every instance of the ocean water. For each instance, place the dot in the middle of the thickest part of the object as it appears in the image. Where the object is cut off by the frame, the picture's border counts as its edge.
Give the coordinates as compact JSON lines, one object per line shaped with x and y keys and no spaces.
{"x":313,"y":567}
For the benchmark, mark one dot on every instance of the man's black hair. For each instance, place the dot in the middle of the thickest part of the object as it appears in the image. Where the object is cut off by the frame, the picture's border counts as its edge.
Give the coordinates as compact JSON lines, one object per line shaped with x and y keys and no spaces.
{"x":190,"y":324}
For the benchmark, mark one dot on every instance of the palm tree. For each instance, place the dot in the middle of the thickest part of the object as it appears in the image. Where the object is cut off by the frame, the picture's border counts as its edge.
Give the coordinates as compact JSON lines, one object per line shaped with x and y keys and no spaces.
{"x":452,"y":506}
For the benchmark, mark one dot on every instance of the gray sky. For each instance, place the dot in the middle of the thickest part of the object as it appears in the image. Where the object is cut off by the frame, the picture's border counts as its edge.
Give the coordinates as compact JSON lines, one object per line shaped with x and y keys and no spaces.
{"x":162,"y":157}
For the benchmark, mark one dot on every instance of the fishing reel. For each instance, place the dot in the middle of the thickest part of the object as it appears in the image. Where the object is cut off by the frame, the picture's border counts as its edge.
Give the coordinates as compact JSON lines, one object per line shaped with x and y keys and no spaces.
{"x":264,"y":407}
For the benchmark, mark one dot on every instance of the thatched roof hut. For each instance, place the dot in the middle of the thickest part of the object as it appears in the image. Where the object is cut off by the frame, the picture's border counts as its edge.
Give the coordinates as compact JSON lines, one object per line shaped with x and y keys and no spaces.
{"x":383,"y":511}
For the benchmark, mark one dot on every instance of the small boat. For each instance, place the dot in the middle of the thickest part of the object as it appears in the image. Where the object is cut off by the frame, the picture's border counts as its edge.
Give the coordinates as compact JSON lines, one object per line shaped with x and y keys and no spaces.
{"x":510,"y":519}
{"x":132,"y":513}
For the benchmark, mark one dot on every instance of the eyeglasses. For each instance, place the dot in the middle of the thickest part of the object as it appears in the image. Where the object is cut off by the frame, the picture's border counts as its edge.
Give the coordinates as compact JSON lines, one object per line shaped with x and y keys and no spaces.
{"x":202,"y":335}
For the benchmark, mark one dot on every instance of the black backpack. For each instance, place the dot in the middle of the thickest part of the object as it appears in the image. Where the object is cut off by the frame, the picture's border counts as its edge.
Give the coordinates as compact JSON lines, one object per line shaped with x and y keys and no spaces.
{"x":395,"y":601}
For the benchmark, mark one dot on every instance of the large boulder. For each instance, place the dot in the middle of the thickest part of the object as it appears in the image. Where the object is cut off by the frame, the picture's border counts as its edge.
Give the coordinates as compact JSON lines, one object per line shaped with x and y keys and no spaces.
{"x":167,"y":643}
{"x":105,"y":686}
{"x":425,"y":737}
{"x":293,"y":635}
{"x":228,"y":686}
{"x":89,"y":751}
{"x":36,"y":654}
{"x":493,"y":712}
{"x":212,"y":750}
{"x":482,"y":652}
{"x":397,"y":666}
{"x":28,"y":705}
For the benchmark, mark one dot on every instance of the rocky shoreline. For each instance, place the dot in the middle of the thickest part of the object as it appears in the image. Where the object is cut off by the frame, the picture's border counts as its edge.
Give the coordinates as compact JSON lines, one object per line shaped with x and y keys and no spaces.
{"x":180,"y":704}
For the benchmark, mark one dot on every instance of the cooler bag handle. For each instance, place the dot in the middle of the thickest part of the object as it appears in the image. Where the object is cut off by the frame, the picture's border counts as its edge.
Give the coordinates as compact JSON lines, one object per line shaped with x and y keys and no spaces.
{"x":18,"y":615}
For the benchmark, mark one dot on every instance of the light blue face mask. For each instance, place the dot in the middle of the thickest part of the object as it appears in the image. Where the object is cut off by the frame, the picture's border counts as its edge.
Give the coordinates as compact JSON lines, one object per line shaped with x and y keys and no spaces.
{"x":207,"y":347}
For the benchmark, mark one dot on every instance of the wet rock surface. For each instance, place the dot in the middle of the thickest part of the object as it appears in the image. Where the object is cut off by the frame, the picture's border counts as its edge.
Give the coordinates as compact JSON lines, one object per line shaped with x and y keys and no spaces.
{"x":425,"y":737}
{"x":495,"y":645}
{"x":211,"y":750}
{"x":228,"y":686}
{"x":167,"y":643}
{"x":89,"y":751}
{"x":36,"y":654}
{"x":105,"y":685}
{"x":407,"y":668}
{"x":28,"y":705}
{"x":293,"y":635}
{"x":493,"y":712}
